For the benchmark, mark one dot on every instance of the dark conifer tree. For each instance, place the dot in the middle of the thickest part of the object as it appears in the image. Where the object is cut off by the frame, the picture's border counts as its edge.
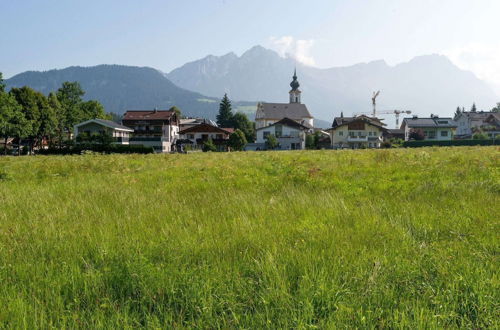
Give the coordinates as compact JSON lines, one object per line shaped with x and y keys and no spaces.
{"x":225,"y":116}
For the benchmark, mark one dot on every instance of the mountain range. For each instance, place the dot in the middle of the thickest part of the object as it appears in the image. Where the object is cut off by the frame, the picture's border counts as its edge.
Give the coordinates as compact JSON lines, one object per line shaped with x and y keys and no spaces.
{"x":426,"y":84}
{"x":120,"y":88}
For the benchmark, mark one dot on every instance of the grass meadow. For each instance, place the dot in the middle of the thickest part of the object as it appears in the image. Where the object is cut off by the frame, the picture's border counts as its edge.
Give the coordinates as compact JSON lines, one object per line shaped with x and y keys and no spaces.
{"x":404,"y":238}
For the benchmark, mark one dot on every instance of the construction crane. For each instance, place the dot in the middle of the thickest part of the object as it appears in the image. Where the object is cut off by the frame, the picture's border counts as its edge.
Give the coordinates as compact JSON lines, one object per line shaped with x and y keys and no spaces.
{"x":374,"y":102}
{"x":390,"y":112}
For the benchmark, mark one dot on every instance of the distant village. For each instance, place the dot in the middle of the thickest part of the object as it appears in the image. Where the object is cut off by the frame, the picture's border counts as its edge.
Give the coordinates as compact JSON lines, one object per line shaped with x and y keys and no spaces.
{"x":289,"y":126}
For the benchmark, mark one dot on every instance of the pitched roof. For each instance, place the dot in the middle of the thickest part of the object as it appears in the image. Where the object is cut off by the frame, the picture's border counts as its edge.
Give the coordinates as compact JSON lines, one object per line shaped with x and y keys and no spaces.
{"x":282,"y":110}
{"x":429,"y":122}
{"x":148,"y":114}
{"x":206,"y":127}
{"x":106,"y":123}
{"x":288,"y":122}
{"x":341,"y":121}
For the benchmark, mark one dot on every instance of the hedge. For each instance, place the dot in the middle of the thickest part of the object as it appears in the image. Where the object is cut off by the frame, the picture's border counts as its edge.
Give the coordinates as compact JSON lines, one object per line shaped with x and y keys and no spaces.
{"x":112,"y":149}
{"x":428,"y":143}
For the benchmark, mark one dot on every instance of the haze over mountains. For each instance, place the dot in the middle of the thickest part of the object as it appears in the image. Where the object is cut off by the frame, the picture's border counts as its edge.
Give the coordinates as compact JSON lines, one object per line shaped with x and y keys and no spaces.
{"x":425,"y":85}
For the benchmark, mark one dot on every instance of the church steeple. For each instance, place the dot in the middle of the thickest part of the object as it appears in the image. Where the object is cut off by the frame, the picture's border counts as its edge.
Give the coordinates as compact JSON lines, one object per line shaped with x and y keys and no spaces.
{"x":295,"y":92}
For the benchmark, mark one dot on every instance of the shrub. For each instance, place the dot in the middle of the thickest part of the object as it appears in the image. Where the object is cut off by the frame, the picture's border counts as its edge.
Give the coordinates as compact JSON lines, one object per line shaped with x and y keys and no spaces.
{"x":237,"y":140}
{"x":110,"y":149}
{"x":416,"y":144}
{"x":271,"y":142}
{"x":416,"y":134}
{"x":209,"y":145}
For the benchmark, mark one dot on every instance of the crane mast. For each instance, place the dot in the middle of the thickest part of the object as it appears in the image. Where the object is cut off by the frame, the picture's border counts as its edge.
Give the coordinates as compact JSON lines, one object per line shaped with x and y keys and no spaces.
{"x":374,"y":102}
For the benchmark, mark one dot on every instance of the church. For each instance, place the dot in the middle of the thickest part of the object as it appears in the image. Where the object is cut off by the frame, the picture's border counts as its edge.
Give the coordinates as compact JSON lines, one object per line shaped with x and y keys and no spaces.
{"x":270,"y":113}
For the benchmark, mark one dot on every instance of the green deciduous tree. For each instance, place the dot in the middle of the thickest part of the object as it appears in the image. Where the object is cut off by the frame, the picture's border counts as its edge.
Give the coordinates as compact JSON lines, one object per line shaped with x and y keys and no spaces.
{"x":237,"y":140}
{"x":225,"y":115}
{"x":30,"y":102}
{"x":12,"y":120}
{"x":91,"y":110}
{"x":271,"y":142}
{"x":60,"y":116}
{"x":177,"y":111}
{"x":241,"y":122}
{"x":70,"y":96}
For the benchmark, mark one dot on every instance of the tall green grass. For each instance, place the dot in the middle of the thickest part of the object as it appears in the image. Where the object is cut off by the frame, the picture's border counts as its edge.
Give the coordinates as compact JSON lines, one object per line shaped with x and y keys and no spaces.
{"x":370,"y":238}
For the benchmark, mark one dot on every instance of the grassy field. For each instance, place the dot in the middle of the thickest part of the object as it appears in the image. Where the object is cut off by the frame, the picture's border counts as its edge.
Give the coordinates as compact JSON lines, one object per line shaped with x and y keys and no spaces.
{"x":370,"y":238}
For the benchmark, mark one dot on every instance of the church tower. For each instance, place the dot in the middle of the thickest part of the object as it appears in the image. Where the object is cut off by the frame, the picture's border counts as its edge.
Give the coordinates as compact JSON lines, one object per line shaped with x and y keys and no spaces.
{"x":295,"y":92}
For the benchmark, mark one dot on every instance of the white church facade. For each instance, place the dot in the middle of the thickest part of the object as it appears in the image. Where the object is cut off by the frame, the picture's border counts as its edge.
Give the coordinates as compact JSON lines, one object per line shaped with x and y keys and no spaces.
{"x":269,"y":113}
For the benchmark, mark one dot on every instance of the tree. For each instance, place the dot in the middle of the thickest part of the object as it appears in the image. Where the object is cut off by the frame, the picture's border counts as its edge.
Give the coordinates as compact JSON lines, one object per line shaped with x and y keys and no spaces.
{"x":91,"y":110}
{"x":30,"y":102}
{"x":480,"y":135}
{"x":416,"y":134}
{"x":48,"y":120}
{"x":2,"y":84}
{"x":177,"y":111}
{"x":70,"y":96}
{"x":237,"y":140}
{"x":60,"y":117}
{"x":209,"y":145}
{"x":225,"y":115}
{"x":12,"y":120}
{"x":457,"y":112}
{"x":473,"y":109}
{"x":310,"y":142}
{"x":241,"y":122}
{"x":271,"y":142}
{"x":497,"y":108}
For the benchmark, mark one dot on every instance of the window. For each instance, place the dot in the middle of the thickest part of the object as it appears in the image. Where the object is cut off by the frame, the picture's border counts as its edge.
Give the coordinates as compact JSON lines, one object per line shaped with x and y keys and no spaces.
{"x":266,"y":134}
{"x":279,"y":130}
{"x":444,"y":133}
{"x":218,"y":136}
{"x":341,"y":133}
{"x":190,"y":136}
{"x":351,"y":134}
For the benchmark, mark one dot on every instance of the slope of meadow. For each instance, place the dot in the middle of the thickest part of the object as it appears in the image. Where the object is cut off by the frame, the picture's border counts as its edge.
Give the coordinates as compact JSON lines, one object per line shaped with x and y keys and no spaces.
{"x":387,"y":238}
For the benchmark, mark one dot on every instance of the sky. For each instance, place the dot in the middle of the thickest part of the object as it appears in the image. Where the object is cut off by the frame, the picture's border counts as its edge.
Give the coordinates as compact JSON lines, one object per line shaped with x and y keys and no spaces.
{"x":165,"y":34}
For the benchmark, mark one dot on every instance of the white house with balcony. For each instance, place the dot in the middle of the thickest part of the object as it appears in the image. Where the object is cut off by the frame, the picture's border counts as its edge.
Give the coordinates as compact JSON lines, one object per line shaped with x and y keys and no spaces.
{"x":119,"y":133}
{"x":470,"y":122}
{"x":433,"y":128}
{"x":290,"y":135}
{"x":153,"y":128}
{"x":356,"y":132}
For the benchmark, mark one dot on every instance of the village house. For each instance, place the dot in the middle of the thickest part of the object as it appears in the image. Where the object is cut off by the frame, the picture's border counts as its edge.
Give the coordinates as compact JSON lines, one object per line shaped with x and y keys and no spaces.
{"x":153,"y":128}
{"x":434,"y":128}
{"x":470,"y":122}
{"x":290,"y":135}
{"x":190,"y":122}
{"x":119,"y":133}
{"x":197,"y":135}
{"x":269,"y":113}
{"x":356,"y":132}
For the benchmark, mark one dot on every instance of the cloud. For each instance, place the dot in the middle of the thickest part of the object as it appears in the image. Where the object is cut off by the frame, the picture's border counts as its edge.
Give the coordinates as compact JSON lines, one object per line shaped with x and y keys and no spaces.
{"x":298,"y":49}
{"x":480,"y":58}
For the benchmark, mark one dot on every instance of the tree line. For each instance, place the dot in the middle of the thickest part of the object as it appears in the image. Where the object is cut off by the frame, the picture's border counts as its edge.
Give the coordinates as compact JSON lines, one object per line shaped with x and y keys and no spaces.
{"x":31,"y":117}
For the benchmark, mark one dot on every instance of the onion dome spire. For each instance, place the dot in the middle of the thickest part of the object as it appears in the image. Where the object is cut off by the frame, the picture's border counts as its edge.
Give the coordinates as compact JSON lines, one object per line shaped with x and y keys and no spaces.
{"x":295,"y":83}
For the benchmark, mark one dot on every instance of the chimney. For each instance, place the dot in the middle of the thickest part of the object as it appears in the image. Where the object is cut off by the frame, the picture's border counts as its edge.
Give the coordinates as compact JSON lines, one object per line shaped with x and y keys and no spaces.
{"x":415,"y":116}
{"x":155,"y":110}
